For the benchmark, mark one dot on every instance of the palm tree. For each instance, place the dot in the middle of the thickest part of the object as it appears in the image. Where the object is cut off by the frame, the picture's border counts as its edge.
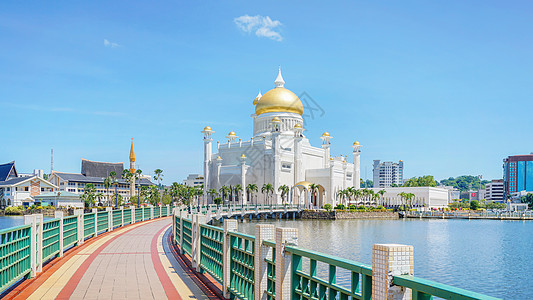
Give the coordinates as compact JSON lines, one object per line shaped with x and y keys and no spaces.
{"x":127,"y":176}
{"x":380,"y":194}
{"x":251,"y":188}
{"x":313,"y":188}
{"x":224,"y":192}
{"x":107,"y":184}
{"x":237,"y":189}
{"x":138,"y":174}
{"x":158,"y":177}
{"x":213,"y":193}
{"x":267,"y":189}
{"x":284,"y":189}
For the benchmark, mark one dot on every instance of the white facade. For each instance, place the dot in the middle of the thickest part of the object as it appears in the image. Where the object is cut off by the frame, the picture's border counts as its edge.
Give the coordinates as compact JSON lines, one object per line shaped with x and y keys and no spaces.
{"x":387,"y":173}
{"x":425,"y":197}
{"x":21,"y":190}
{"x":194,"y":180}
{"x":279,"y":154}
{"x":494,"y":190}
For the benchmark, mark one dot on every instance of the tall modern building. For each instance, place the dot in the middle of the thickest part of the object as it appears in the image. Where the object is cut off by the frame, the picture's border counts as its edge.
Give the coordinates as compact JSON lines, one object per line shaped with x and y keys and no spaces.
{"x":387,"y":173}
{"x":518,"y":174}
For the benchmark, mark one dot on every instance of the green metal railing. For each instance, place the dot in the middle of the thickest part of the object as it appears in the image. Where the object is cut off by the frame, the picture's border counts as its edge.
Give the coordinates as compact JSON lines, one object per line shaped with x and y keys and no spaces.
{"x":50,"y":239}
{"x":187,"y":236}
{"x":127,"y":216}
{"x":88,"y":225}
{"x":211,"y":249}
{"x":242,"y":265}
{"x":70,"y":231}
{"x":177,"y":228}
{"x":102,"y":218}
{"x":14,"y":255}
{"x":117,"y":218}
{"x":138,"y":214}
{"x":146,"y":213}
{"x":271,"y":272}
{"x":157,"y":212}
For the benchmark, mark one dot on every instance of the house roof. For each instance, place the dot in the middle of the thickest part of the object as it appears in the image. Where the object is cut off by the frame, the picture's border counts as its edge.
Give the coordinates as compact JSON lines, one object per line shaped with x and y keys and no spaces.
{"x":76,"y":177}
{"x":62,"y":194}
{"x":6,"y":170}
{"x":19,"y":180}
{"x":91,"y":168}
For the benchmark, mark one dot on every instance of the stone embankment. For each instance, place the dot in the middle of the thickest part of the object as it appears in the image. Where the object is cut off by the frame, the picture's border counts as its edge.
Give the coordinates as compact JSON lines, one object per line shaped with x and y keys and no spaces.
{"x":338,"y":215}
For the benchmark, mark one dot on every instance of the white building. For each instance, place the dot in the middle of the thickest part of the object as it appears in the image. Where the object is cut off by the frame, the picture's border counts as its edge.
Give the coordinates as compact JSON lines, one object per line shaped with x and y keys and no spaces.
{"x":387,"y":173}
{"x":279,"y":154}
{"x":453,"y":193}
{"x":425,"y":197}
{"x":194,"y":180}
{"x":60,"y":199}
{"x":494,"y":190}
{"x":16,"y":190}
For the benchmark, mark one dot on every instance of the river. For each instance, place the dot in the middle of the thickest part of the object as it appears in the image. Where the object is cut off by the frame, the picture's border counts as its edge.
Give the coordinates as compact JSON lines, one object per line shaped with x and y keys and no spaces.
{"x":487,"y":256}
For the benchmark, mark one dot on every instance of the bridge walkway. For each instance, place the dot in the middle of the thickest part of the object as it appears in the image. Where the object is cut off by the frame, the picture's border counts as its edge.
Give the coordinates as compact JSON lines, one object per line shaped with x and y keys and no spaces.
{"x":132,"y":262}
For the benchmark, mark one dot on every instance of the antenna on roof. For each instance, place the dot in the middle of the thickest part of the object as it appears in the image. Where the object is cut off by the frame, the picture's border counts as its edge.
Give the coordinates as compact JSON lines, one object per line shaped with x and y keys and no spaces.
{"x":51,"y":160}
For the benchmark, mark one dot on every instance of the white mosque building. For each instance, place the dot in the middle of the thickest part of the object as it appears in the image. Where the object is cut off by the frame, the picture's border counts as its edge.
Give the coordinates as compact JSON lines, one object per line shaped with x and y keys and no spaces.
{"x":279,"y":154}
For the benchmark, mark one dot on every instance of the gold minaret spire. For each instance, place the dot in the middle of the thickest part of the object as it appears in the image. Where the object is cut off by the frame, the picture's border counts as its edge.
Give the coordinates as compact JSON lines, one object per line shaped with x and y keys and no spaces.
{"x":132,"y":158}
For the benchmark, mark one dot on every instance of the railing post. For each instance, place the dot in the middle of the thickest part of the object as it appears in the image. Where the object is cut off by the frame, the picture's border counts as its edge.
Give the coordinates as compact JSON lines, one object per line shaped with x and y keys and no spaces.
{"x":262,"y":232}
{"x":284,"y":236}
{"x":95,"y":211}
{"x":174,"y":215}
{"x":229,"y":225}
{"x":59,"y":215}
{"x":182,"y":215}
{"x":81,"y":232}
{"x":142,"y":216}
{"x":109,"y":218}
{"x":132,"y":214}
{"x":197,"y":241}
{"x":36,"y":248}
{"x":151,"y":212}
{"x":390,"y":260}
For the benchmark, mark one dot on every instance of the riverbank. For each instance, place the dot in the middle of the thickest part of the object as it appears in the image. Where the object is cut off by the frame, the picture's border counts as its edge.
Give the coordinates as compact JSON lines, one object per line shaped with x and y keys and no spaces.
{"x":339,"y":215}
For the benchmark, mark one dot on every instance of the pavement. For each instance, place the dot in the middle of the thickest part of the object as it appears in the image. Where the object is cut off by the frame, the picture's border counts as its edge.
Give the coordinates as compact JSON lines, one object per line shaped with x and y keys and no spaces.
{"x":132,"y":262}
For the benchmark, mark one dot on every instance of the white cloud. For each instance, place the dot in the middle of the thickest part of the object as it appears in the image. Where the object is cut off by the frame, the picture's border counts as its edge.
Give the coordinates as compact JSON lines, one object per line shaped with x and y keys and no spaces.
{"x":263,"y":26}
{"x":109,"y":44}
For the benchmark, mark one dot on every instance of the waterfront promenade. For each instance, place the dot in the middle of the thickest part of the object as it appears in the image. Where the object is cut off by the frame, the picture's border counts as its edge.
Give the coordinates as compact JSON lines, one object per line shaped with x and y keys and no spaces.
{"x":132,"y":262}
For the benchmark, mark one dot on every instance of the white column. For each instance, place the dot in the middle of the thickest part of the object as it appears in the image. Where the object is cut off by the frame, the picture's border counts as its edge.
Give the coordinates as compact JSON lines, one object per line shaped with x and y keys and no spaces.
{"x":132,"y":214}
{"x":81,"y":233}
{"x":229,"y":225}
{"x":326,"y":148}
{"x":390,"y":260}
{"x":207,"y":158}
{"x":36,"y":239}
{"x":197,"y":239}
{"x":284,"y":236}
{"x":151,"y":212}
{"x":276,"y":174}
{"x":59,"y":215}
{"x":243,"y":195}
{"x":356,"y":169}
{"x":262,"y":232}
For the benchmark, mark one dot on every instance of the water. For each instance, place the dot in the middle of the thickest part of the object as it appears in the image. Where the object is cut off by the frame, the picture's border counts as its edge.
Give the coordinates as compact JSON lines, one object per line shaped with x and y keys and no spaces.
{"x":12,"y":221}
{"x":486,"y":256}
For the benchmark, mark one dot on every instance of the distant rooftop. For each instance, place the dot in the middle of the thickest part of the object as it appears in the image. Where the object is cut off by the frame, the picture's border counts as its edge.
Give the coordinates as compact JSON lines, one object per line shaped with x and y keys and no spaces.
{"x":100,"y":169}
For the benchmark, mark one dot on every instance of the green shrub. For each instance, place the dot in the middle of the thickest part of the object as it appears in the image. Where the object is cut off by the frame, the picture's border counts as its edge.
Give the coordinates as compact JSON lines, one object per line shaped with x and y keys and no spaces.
{"x":361,"y":207}
{"x":39,"y":207}
{"x":340,"y":206}
{"x":327,"y":206}
{"x":352,"y":207}
{"x":12,"y":210}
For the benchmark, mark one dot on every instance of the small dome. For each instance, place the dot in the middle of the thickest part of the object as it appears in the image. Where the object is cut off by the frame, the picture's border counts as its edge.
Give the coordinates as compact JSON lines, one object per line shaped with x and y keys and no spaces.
{"x":356,"y":143}
{"x":276,"y":119}
{"x":257,"y":98}
{"x":219,"y":158}
{"x":243,"y":156}
{"x":298,"y":125}
{"x":207,"y":128}
{"x":325,"y":134}
{"x":232,"y":133}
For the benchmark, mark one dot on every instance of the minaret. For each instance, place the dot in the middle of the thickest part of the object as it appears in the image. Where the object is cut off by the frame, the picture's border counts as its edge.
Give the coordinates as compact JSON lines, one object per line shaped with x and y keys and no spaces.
{"x":356,"y":165}
{"x":208,"y":132}
{"x":243,"y":179}
{"x":326,"y":145}
{"x":279,"y":82}
{"x":298,"y":169}
{"x":132,"y":169}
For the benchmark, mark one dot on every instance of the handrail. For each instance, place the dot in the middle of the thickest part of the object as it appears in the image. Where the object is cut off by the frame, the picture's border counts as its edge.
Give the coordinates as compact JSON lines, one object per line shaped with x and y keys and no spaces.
{"x":428,"y":287}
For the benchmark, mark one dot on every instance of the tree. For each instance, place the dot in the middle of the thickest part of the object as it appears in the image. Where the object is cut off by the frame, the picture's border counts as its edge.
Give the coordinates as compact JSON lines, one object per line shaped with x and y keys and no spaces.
{"x":153,"y":195}
{"x":137,"y":176}
{"x":108,"y":181}
{"x":158,"y":177}
{"x":474,"y":205}
{"x":367,"y":184}
{"x":251,"y":188}
{"x":128,"y":177}
{"x":284,"y":189}
{"x":213,"y":193}
{"x":426,"y":180}
{"x":380,"y":193}
{"x":527,"y":199}
{"x":465,"y":183}
{"x":313,"y":188}
{"x":237,"y":189}
{"x":224,"y":192}
{"x":89,"y":195}
{"x":267,"y":189}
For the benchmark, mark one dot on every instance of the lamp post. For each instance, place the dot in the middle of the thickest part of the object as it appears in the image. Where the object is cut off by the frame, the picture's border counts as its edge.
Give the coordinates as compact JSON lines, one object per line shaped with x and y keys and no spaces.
{"x":115,"y":182}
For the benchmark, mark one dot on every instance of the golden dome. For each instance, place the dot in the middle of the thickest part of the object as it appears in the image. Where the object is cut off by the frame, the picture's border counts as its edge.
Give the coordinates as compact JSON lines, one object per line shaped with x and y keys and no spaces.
{"x":356,"y":143}
{"x":243,"y":156}
{"x":207,"y":128}
{"x":219,"y":158}
{"x":232,"y":133}
{"x":279,"y":99}
{"x":298,"y":125}
{"x":276,"y":119}
{"x":325,"y":134}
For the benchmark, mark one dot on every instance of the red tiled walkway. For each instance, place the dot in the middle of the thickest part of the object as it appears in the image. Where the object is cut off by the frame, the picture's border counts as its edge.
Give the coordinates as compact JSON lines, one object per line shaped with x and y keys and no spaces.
{"x":127,"y":263}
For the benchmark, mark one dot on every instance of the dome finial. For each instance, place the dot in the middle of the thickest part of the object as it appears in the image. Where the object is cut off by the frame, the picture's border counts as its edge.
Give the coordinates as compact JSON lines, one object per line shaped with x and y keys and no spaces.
{"x":279,"y":80}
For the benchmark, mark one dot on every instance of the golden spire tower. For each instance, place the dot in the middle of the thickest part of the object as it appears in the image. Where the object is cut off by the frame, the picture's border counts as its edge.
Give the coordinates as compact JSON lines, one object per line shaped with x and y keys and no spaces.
{"x":132,"y":158}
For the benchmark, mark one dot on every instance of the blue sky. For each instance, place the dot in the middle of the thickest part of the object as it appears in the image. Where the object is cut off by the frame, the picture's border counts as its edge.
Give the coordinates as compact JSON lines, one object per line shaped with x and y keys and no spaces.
{"x":443,"y":85}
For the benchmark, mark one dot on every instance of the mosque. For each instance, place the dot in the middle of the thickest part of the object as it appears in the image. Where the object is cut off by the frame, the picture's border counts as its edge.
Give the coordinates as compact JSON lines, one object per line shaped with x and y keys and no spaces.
{"x":279,"y":154}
